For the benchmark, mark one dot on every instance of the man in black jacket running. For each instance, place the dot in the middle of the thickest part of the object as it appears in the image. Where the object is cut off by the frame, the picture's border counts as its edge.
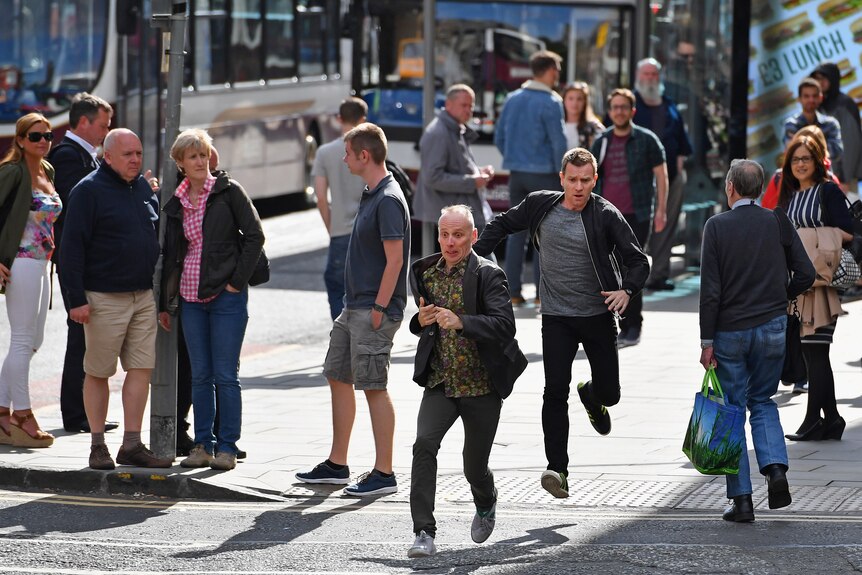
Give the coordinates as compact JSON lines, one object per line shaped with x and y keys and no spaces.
{"x":581,"y":239}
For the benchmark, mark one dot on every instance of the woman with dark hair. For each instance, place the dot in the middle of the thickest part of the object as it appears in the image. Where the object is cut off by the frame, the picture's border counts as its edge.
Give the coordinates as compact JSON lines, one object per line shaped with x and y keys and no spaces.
{"x":582,"y":125}
{"x":813,"y":201}
{"x":29,"y":206}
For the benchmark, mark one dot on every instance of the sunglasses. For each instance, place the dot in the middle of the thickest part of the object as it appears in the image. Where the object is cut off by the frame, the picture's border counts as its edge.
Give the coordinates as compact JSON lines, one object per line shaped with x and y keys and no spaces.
{"x":36,"y":136}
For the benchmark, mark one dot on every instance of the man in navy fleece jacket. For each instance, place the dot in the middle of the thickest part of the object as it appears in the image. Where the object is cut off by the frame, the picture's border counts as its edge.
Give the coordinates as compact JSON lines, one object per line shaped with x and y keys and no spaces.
{"x":111,"y":245}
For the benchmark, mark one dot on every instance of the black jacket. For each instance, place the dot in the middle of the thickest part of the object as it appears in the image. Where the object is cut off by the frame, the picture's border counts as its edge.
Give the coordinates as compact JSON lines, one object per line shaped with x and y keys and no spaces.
{"x":609,"y":238}
{"x":232,"y":242}
{"x":488,"y":319}
{"x":72,"y":163}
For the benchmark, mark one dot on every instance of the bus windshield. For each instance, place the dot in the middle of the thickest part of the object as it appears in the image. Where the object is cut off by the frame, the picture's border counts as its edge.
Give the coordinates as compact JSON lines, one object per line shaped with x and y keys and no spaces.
{"x":49,"y":51}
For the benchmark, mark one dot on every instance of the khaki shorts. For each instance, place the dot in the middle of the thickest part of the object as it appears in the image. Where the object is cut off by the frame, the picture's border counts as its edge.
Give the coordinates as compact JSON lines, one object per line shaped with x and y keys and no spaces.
{"x":121,"y":325}
{"x":359,"y":355}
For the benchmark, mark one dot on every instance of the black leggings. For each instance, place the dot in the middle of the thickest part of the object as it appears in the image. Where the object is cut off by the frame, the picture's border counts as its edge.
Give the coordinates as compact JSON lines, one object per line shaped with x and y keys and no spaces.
{"x":821,"y":384}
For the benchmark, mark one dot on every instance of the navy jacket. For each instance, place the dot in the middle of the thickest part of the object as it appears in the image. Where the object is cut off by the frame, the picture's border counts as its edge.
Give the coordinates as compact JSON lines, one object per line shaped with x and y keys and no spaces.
{"x":110,"y":240}
{"x":488,"y":319}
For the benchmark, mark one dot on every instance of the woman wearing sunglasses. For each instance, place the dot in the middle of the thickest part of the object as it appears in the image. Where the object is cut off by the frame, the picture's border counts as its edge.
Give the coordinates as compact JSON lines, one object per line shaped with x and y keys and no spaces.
{"x":29,"y":205}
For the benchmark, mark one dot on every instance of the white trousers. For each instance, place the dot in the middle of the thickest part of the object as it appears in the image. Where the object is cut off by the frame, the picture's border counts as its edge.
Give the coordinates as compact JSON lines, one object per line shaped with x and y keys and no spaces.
{"x":27,"y":309}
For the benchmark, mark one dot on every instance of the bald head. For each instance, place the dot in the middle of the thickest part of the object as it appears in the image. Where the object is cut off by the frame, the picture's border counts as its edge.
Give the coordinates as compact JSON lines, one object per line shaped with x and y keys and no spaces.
{"x":124,"y":153}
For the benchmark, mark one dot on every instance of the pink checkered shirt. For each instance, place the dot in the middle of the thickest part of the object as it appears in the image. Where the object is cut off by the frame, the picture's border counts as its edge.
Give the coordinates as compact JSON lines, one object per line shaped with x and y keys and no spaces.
{"x":193,"y":219}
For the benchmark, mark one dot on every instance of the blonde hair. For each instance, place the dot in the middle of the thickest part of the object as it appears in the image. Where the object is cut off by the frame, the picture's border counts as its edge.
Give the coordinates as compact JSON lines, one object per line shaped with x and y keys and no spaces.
{"x":192,"y":138}
{"x":24,"y":123}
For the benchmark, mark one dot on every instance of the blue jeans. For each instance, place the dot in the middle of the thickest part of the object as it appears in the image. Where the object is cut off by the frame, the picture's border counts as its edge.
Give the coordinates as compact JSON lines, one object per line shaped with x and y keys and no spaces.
{"x":333,"y":275}
{"x":521,"y":184}
{"x":749,"y":368}
{"x":214,"y":332}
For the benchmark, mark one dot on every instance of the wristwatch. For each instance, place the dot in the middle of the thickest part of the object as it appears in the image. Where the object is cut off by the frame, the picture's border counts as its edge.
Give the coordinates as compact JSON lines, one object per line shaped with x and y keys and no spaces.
{"x":628,"y":291}
{"x":378,"y":307}
{"x":705,"y":345}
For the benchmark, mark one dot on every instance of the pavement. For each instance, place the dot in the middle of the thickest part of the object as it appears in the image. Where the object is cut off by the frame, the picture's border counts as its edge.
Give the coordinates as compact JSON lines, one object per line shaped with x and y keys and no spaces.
{"x":286,"y":428}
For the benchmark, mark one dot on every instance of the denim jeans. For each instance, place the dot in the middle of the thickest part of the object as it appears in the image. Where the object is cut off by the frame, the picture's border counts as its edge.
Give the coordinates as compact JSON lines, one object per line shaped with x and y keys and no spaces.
{"x":214,"y":332}
{"x":749,"y":368}
{"x":333,"y":275}
{"x":521,"y":184}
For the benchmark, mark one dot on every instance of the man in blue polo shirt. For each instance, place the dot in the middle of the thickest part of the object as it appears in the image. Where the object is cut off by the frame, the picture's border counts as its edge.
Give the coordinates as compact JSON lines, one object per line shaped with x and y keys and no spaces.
{"x":361,"y":339}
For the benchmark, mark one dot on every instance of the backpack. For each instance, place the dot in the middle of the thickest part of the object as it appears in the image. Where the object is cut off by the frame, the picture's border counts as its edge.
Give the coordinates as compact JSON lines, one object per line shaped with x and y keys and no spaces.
{"x":403,"y":181}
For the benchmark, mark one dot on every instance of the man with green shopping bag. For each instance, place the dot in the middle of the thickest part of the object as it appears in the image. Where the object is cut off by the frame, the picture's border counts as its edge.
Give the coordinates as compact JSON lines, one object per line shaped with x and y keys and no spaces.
{"x":744,"y":289}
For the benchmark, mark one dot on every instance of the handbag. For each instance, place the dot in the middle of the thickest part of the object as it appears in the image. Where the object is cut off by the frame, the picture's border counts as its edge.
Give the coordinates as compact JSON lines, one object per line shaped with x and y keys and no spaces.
{"x":848,"y":271}
{"x":260,"y":275}
{"x":715,"y":436}
{"x":793,"y":370}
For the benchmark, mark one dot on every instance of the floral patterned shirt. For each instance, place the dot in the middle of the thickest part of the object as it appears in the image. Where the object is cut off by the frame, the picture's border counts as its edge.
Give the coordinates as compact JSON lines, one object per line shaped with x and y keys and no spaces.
{"x":38,"y":240}
{"x":455,"y":363}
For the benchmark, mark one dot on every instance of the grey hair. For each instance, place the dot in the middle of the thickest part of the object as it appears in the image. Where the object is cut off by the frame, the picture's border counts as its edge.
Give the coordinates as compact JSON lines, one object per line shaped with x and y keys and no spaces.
{"x":456,"y":90}
{"x":650,"y":61}
{"x":746,"y":177}
{"x":460,"y":209}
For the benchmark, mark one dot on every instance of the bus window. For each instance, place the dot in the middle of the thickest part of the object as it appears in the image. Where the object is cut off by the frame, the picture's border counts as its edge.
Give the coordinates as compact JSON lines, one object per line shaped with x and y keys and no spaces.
{"x":312,"y":34}
{"x":49,"y":51}
{"x":245,"y":41}
{"x":280,"y":59}
{"x":210,"y":42}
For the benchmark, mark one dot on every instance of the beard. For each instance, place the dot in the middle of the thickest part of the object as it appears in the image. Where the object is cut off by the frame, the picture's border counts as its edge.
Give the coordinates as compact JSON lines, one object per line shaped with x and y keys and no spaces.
{"x":650,"y":92}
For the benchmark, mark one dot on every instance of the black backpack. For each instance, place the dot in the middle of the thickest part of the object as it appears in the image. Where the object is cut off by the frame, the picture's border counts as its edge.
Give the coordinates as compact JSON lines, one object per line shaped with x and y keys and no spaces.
{"x":403,"y":181}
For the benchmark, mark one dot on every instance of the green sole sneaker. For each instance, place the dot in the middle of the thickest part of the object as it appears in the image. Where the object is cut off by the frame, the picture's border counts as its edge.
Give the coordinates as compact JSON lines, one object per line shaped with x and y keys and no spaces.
{"x":555,"y":483}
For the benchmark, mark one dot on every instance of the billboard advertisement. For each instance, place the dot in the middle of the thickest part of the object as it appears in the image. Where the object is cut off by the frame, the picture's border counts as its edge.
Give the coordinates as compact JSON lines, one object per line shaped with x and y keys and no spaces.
{"x":789,"y":38}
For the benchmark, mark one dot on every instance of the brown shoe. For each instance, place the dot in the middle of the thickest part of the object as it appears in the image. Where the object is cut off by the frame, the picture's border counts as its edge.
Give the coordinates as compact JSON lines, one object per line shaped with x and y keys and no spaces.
{"x":140,"y":456}
{"x":197,"y":458}
{"x":100,"y":457}
{"x":224,"y":461}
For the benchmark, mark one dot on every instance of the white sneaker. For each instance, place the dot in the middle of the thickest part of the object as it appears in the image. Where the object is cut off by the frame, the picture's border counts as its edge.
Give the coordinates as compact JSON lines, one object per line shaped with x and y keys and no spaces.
{"x":422,"y":547}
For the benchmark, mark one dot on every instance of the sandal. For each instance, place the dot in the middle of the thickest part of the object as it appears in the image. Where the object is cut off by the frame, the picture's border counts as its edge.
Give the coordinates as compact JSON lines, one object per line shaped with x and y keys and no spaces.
{"x":5,"y":436}
{"x":20,"y":437}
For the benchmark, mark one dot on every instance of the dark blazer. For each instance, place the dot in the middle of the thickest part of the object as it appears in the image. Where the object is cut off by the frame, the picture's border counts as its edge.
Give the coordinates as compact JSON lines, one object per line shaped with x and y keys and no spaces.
{"x":72,"y":163}
{"x":232,"y":242}
{"x":489,"y":320}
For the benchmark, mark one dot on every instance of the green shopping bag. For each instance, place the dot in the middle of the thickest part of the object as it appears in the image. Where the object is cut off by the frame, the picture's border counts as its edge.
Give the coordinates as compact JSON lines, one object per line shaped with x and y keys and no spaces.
{"x":716,"y":431}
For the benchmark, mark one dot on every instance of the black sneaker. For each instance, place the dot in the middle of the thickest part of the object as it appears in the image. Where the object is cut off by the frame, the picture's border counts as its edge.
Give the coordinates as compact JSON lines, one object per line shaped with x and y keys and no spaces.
{"x":323,"y":473}
{"x":598,"y":414}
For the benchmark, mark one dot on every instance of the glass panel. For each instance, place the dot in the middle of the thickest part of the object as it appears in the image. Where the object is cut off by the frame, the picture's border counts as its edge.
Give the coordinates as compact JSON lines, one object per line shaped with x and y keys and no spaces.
{"x":488,"y":46}
{"x":312,"y":36}
{"x":49,"y":51}
{"x":210,"y":38}
{"x":332,"y":37}
{"x":692,"y":40}
{"x":246,"y":40}
{"x":280,"y":57}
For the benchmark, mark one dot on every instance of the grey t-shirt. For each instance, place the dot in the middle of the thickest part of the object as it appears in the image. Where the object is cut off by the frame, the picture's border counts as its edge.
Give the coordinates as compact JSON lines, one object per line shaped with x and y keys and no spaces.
{"x":569,"y":286}
{"x":345,"y":189}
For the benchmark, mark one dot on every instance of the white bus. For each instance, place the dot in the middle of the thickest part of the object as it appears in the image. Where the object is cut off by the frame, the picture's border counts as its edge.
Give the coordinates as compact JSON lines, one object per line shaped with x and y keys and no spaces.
{"x":264,"y":77}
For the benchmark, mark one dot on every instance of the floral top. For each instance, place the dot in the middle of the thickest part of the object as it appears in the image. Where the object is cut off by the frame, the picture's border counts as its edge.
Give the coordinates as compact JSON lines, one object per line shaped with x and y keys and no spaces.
{"x":37,"y":242}
{"x":193,"y":221}
{"x":455,"y":363}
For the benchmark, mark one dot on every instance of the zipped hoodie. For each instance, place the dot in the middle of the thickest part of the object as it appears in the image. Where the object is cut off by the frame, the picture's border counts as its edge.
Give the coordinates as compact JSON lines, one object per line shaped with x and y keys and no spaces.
{"x":110,"y":240}
{"x":609,"y":238}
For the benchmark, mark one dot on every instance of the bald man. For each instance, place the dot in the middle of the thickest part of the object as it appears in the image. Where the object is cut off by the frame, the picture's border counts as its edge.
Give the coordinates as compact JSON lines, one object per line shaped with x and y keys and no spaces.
{"x":110,"y":250}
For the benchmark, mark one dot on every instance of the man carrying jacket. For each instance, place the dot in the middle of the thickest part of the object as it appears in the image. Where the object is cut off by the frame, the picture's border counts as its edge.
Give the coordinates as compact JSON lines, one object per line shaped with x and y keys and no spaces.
{"x":583,"y":242}
{"x":467,"y":360}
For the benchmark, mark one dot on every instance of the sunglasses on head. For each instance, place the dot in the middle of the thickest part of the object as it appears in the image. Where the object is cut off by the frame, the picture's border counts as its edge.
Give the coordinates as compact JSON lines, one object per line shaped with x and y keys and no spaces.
{"x":36,"y":136}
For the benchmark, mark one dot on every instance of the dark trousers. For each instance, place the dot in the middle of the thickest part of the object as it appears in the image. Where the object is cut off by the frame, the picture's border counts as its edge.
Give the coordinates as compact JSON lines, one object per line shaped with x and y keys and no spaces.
{"x":437,"y":413}
{"x":72,"y":381}
{"x":561,"y":337}
{"x":821,"y":384}
{"x":633,"y":316}
{"x":184,"y":379}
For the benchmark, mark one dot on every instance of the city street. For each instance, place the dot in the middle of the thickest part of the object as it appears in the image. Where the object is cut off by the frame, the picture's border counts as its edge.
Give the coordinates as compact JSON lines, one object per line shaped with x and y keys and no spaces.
{"x":636,"y":504}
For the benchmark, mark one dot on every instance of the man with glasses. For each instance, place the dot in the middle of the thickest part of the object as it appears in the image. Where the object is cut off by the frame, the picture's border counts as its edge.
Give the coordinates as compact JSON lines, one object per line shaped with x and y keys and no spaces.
{"x":531,"y":136}
{"x":810,"y":98}
{"x":632,"y":175}
{"x":73,"y":159}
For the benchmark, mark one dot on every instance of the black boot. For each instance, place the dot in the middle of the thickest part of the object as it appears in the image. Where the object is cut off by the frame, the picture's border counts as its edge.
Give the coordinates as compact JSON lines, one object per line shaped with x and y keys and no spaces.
{"x":741,"y":510}
{"x":776,"y":482}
